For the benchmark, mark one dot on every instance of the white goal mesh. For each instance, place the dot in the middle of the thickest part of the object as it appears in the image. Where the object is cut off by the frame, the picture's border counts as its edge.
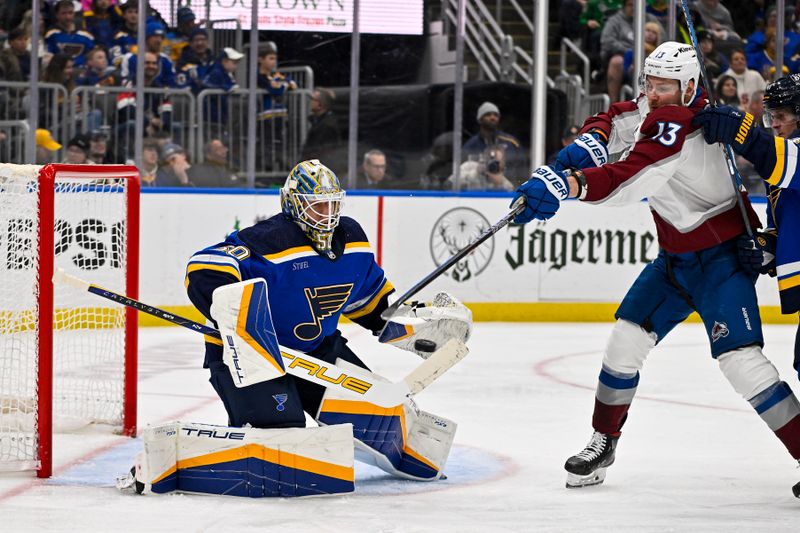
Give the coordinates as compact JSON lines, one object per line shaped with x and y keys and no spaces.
{"x":90,"y":342}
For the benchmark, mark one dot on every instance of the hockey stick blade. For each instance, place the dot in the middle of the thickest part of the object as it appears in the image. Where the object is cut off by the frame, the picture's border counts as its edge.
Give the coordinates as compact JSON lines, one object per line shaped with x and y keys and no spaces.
{"x":304,"y":366}
{"x":517,"y":208}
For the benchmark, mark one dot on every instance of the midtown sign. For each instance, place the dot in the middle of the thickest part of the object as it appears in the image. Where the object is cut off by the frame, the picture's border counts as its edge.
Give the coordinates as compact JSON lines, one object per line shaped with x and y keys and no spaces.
{"x":397,"y":17}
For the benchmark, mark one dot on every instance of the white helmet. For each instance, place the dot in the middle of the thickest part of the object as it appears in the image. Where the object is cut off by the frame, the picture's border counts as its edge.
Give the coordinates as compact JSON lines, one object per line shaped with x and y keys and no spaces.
{"x":674,"y":61}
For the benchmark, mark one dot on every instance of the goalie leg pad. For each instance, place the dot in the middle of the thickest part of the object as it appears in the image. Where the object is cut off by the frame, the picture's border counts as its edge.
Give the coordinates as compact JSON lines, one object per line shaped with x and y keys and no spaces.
{"x":249,"y":344}
{"x":247,"y":461}
{"x":400,"y":440}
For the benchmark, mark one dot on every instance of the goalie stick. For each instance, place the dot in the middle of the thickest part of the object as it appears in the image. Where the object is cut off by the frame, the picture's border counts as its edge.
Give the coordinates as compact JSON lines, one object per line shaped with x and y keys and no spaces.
{"x":304,"y":366}
{"x":736,"y":179}
{"x":519,"y":207}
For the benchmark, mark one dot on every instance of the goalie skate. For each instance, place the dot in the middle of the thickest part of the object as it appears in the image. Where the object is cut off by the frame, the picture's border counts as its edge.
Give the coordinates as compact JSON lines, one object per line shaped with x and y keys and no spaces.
{"x":589,"y":466}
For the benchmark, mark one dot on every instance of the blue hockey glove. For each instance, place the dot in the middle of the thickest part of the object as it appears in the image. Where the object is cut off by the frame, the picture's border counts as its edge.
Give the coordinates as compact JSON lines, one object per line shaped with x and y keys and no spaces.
{"x":750,"y":255}
{"x":543,"y":193}
{"x":768,"y":242}
{"x":586,"y":151}
{"x":727,"y":125}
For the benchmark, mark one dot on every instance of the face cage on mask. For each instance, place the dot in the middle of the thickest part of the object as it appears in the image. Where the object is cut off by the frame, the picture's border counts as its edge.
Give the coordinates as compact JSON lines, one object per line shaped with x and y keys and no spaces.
{"x":308,"y":210}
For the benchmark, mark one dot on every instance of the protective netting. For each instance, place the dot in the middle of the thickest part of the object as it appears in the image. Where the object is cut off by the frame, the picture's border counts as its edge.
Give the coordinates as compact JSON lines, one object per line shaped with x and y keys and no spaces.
{"x":88,"y":332}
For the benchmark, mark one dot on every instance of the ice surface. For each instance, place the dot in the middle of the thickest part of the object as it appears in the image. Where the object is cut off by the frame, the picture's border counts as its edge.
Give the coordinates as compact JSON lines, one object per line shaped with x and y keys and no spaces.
{"x":693,"y":457}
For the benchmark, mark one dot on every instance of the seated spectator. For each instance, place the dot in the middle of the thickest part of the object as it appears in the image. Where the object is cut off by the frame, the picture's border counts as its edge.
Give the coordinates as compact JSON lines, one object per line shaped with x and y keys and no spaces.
{"x":214,"y":171}
{"x":593,"y":17}
{"x":65,"y":37}
{"x":157,"y":109}
{"x":567,"y":137}
{"x":373,"y":172}
{"x":726,"y":91}
{"x":764,"y":60}
{"x":486,"y":174}
{"x":717,"y":20}
{"x":617,"y":37}
{"x":46,"y":147}
{"x":59,"y":70}
{"x":15,"y":59}
{"x":125,"y":39}
{"x":490,"y":134}
{"x":715,"y":62}
{"x":653,"y":36}
{"x":179,"y":38}
{"x":154,"y":38}
{"x":748,"y":81}
{"x":324,"y":135}
{"x":174,"y":169}
{"x":275,"y":83}
{"x":149,"y":168}
{"x":221,"y":76}
{"x":757,"y":41}
{"x":98,"y":149}
{"x":438,"y":163}
{"x":102,"y":21}
{"x":97,"y":72}
{"x":78,"y":150}
{"x":195,"y":61}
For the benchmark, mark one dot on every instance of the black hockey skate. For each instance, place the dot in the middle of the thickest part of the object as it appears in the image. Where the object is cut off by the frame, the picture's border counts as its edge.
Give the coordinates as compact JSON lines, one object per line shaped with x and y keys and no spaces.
{"x":796,"y":490}
{"x":589,"y":466}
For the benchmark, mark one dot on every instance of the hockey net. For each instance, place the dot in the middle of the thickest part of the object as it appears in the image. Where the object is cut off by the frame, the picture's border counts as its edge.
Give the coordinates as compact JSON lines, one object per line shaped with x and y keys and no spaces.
{"x":67,"y":358}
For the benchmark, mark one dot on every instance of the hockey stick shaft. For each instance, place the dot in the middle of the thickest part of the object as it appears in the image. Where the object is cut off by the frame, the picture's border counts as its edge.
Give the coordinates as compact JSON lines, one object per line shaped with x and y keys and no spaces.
{"x":518,"y":208}
{"x":736,"y":178}
{"x":304,"y":366}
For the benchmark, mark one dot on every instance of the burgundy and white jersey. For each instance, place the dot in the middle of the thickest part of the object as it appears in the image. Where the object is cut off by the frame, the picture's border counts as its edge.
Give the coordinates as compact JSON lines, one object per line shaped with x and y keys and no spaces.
{"x":660,"y":156}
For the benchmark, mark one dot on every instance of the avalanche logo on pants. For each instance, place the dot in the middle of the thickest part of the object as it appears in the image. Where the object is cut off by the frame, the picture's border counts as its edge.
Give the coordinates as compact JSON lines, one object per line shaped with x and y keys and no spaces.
{"x":281,"y":399}
{"x":718,"y":331}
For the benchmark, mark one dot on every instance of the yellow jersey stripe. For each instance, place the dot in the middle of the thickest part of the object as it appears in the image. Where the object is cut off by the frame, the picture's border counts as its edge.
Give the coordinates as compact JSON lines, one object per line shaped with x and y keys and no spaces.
{"x":372,"y":304}
{"x":357,"y":244}
{"x":257,"y":451}
{"x":780,"y":163}
{"x":788,"y":283}
{"x":289,"y":251}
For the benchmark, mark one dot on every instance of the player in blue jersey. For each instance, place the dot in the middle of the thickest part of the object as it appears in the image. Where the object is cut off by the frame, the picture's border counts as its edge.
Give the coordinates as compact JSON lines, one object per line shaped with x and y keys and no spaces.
{"x":775,"y":159}
{"x":318,"y":267}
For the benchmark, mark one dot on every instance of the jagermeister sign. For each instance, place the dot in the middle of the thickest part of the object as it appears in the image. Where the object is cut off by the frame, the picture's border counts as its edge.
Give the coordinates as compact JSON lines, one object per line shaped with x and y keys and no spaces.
{"x":398,"y":17}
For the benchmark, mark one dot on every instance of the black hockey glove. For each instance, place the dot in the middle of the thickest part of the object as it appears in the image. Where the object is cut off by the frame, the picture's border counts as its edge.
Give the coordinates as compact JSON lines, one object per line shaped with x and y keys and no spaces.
{"x":750,"y":255}
{"x":727,"y":125}
{"x":768,"y":242}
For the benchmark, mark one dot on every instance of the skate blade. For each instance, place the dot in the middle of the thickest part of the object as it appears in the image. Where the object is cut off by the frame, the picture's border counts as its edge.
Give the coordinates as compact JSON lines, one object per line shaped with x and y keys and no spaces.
{"x":574,"y":481}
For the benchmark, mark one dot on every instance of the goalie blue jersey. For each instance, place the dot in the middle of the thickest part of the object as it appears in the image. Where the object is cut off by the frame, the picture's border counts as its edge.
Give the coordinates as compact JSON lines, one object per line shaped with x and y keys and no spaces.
{"x":307,"y":291}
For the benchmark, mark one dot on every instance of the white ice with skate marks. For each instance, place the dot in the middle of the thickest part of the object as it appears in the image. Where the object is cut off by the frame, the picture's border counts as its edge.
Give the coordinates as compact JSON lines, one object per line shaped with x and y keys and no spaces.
{"x":693,"y":456}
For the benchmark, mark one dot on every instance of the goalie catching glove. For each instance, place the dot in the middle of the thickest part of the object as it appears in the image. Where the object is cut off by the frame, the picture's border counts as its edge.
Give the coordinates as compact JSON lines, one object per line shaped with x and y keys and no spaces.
{"x":422,"y":328}
{"x":249,"y":344}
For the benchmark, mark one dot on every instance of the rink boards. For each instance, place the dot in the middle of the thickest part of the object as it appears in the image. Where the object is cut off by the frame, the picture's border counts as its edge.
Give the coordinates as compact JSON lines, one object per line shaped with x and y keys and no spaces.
{"x":575,"y":267}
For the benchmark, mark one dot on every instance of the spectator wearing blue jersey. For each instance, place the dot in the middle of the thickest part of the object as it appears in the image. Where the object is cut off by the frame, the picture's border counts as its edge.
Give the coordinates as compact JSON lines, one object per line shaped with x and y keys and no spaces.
{"x":272,"y":81}
{"x":154,"y":38}
{"x":102,"y":21}
{"x":195,"y":61}
{"x":124,"y":40}
{"x":221,"y":76}
{"x":65,"y":37}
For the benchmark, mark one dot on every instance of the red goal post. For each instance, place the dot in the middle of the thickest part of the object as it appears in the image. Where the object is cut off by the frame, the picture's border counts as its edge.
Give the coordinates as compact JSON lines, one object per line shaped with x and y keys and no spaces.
{"x":65,"y":360}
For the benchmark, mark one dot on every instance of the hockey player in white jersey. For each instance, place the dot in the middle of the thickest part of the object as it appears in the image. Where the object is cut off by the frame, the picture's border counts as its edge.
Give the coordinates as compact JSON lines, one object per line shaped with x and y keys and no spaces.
{"x":664,"y":158}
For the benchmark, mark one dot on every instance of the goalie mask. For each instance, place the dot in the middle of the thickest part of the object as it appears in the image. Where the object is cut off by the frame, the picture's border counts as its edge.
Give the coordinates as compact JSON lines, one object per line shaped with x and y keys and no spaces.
{"x":313,"y":197}
{"x":674,"y":61}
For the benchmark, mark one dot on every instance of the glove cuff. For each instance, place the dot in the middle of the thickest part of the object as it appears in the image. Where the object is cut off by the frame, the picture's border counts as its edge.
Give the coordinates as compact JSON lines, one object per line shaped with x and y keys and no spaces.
{"x":580,"y":177}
